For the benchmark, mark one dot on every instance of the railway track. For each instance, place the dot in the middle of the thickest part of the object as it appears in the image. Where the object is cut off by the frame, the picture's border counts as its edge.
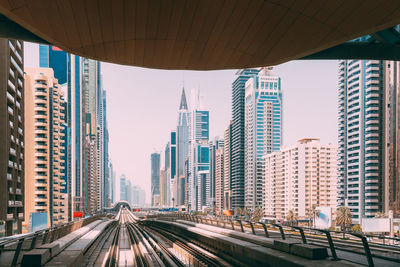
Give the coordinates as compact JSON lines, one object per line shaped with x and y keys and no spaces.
{"x":127,"y":243}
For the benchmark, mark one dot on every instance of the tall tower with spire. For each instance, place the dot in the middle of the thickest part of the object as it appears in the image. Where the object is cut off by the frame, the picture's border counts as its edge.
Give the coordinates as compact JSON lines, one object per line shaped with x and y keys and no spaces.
{"x":182,"y":131}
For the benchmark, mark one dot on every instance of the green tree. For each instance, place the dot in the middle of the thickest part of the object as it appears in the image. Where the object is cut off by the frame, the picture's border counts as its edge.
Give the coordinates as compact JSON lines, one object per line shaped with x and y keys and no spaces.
{"x":291,"y":217}
{"x":343,"y":218}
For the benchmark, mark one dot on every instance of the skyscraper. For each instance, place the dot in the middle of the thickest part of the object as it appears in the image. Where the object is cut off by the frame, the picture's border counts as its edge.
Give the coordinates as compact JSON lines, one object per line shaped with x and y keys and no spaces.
{"x":227,"y":189}
{"x":162,"y":187}
{"x":67,"y":70}
{"x":215,"y":144}
{"x":263,"y":130}
{"x":172,"y":178}
{"x":182,"y":135}
{"x":155,"y":176}
{"x":106,"y":171}
{"x":164,"y":184}
{"x":237,"y":141}
{"x":112,"y":181}
{"x":11,"y":136}
{"x":219,"y":180}
{"x":93,"y":121}
{"x":368,"y":137}
{"x":45,"y":150}
{"x":199,"y":168}
{"x":123,"y":188}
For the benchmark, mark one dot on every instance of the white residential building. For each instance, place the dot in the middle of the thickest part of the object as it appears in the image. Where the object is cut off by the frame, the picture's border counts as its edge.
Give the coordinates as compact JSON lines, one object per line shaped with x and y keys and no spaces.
{"x":300,"y":176}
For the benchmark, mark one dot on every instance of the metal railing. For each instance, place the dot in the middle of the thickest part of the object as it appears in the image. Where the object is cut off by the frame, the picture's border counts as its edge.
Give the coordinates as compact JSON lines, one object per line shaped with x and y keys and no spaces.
{"x":301,"y":231}
{"x":47,"y":235}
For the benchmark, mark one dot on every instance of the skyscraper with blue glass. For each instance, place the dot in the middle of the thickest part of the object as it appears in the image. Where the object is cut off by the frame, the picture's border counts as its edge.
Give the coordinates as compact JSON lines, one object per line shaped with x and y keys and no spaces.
{"x":237,"y":134}
{"x":199,"y":168}
{"x":182,"y":135}
{"x":263,"y":130}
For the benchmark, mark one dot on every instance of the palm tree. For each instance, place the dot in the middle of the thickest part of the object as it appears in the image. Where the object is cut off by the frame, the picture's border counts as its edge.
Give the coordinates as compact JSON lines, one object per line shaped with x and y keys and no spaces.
{"x":291,"y":217}
{"x":380,"y":214}
{"x":258,"y":214}
{"x":173,"y":202}
{"x":343,"y":218}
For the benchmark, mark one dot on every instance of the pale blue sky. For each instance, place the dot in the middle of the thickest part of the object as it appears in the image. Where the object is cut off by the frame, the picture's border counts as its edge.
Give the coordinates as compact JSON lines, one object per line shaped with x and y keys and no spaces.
{"x":142,"y":107}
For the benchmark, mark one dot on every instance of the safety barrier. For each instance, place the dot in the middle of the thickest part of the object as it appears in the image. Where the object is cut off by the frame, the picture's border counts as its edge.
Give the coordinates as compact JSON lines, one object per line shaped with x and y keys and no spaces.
{"x":47,"y":236}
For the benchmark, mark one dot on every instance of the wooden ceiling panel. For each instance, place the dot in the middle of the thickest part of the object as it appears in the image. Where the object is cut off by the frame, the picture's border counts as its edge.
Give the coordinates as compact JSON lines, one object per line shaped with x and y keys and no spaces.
{"x":70,"y":26}
{"x":200,"y":34}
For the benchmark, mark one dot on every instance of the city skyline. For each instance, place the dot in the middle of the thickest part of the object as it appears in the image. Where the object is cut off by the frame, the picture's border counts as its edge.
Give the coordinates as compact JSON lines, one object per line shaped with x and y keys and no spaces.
{"x":316,"y":84}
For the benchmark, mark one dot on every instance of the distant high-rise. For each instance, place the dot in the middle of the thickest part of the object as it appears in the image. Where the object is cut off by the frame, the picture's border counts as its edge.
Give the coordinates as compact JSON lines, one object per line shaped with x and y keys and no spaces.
{"x":263,"y":130}
{"x":105,"y":141}
{"x":155,"y":176}
{"x":162,"y":187}
{"x":238,"y":140}
{"x":123,"y":188}
{"x":112,"y":182}
{"x":369,"y":137}
{"x":172,"y":178}
{"x":219,"y":180}
{"x":139,"y":196}
{"x":199,"y":168}
{"x":182,"y":135}
{"x":300,"y":176}
{"x":45,"y":150}
{"x":165,"y":184}
{"x":93,"y":120}
{"x":12,"y":173}
{"x":227,"y":179}
{"x":215,"y":144}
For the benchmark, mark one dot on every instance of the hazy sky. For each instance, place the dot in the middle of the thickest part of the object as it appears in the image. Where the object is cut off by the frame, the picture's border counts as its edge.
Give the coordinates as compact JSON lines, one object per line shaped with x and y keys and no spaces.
{"x":142,"y":106}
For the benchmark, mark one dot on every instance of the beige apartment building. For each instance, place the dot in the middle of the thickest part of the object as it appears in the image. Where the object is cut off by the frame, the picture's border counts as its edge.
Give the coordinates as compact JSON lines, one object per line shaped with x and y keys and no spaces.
{"x":44,"y":146}
{"x":300,"y":176}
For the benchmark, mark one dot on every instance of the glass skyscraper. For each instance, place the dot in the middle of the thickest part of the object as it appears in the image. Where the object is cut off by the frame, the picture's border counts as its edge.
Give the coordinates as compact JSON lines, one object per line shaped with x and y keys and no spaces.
{"x":237,"y":134}
{"x":199,"y":168}
{"x":155,"y":176}
{"x":263,"y":130}
{"x":182,"y":132}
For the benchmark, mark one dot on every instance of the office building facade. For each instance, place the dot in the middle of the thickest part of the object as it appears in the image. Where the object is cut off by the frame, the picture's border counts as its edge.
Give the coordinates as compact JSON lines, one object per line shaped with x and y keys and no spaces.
{"x":219,"y":180}
{"x":368,"y":137}
{"x":215,"y":144}
{"x":227,"y":179}
{"x":155,"y":176}
{"x":263,"y":130}
{"x":199,"y":168}
{"x":238,"y":136}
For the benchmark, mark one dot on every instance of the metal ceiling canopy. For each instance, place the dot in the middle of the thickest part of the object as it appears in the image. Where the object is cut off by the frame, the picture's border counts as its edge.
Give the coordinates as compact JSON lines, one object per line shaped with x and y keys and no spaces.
{"x":203,"y":34}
